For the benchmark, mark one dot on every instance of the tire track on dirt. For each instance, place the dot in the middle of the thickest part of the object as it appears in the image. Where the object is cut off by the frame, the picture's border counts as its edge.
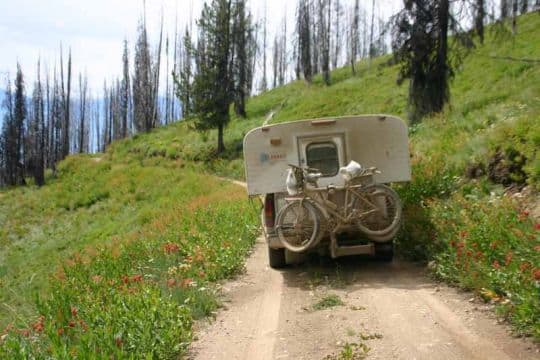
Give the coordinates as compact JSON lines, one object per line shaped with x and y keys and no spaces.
{"x":269,"y":315}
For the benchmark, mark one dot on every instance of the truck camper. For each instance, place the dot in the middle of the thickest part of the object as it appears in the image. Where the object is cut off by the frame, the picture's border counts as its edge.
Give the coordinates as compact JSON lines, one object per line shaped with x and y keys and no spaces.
{"x":332,"y":202}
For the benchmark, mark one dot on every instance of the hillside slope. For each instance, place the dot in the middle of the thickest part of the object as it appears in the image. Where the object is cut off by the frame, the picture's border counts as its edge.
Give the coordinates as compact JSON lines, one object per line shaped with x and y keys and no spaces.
{"x":466,"y":162}
{"x":112,"y":228}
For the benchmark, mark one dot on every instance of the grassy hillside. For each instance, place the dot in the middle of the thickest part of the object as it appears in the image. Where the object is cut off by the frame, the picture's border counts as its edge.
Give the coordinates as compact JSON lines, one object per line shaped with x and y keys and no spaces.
{"x":457,"y":213}
{"x":127,"y":244}
{"x":116,"y":257}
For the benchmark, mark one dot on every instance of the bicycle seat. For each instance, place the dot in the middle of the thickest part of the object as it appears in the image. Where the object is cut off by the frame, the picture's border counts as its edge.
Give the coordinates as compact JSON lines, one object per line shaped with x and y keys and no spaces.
{"x":313,"y":177}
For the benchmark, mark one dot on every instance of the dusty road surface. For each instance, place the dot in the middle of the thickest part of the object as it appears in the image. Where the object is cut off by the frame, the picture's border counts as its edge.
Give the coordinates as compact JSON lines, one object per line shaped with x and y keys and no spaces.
{"x":389,"y":310}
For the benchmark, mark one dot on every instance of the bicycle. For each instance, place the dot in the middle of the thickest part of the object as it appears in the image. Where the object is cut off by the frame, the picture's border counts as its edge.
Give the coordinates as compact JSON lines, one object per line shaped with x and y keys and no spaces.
{"x":375,"y":209}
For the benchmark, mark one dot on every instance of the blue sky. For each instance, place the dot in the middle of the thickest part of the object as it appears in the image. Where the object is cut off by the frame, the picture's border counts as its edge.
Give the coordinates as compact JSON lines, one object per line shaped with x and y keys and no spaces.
{"x":95,"y":29}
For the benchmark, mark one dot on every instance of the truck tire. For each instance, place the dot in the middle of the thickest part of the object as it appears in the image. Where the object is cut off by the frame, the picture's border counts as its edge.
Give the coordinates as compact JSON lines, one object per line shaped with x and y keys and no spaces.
{"x":384,"y":252}
{"x":276,"y":258}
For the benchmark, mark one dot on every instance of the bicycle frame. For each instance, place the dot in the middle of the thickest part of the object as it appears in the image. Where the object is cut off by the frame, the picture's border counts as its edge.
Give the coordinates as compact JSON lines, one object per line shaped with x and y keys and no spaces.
{"x":317,"y":197}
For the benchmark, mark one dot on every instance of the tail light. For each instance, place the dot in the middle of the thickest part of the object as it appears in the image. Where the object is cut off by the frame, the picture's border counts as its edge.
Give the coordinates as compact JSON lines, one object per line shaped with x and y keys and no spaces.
{"x":269,"y":210}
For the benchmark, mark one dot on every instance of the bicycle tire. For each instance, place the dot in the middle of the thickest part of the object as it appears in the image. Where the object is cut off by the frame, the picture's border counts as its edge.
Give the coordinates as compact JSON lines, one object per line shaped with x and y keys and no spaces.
{"x":298,"y":226}
{"x":385,"y":217}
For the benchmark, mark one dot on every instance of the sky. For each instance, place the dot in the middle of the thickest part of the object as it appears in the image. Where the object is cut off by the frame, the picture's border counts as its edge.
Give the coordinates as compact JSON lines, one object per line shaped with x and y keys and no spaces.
{"x":95,"y":29}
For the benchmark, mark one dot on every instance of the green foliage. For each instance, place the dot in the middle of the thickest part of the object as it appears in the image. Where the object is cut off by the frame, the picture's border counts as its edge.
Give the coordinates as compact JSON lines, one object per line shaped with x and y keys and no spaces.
{"x":351,"y":351}
{"x":487,"y":244}
{"x":327,"y":302}
{"x":115,"y":214}
{"x":122,"y":274}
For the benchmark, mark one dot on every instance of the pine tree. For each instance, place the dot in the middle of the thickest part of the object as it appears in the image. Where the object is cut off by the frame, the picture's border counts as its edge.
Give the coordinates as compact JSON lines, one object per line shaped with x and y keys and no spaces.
{"x":424,"y":55}
{"x":66,"y":105}
{"x":324,"y":24}
{"x":83,"y":92}
{"x":275,"y":62}
{"x":523,"y":6}
{"x":304,"y":39}
{"x":143,"y":97}
{"x":124,"y":92}
{"x":213,"y":82}
{"x":264,"y":81}
{"x":336,"y":48}
{"x":184,"y":78}
{"x":242,"y":29}
{"x":19,"y":116}
{"x":10,"y":150}
{"x":354,"y":39}
{"x":156,"y":68}
{"x":504,"y":9}
{"x":39,"y":130}
{"x":479,"y":18}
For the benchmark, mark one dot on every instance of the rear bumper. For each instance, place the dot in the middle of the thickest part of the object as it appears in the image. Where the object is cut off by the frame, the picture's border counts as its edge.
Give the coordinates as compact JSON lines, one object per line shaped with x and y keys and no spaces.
{"x":272,"y":238}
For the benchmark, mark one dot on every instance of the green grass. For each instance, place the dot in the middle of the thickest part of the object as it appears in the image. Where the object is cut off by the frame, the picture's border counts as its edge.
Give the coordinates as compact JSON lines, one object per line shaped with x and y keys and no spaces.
{"x":494,"y":108}
{"x":117,"y":257}
{"x":327,"y":302}
{"x":128,"y":243}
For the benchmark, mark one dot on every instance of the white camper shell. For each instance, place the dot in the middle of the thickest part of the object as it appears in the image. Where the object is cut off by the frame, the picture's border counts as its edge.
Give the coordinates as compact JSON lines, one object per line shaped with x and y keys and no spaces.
{"x":326,"y":144}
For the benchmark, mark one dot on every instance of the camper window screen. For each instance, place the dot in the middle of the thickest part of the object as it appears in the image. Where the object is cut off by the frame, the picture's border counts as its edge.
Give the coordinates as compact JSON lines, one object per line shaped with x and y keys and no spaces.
{"x":324,"y":157}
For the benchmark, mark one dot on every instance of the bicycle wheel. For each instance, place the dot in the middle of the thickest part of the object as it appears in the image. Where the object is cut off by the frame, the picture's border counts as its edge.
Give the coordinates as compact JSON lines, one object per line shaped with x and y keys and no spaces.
{"x":378,"y":210}
{"x":298,"y":226}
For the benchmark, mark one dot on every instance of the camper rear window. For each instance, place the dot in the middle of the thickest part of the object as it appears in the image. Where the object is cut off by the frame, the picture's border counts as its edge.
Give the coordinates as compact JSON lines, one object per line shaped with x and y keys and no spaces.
{"x":323,"y":156}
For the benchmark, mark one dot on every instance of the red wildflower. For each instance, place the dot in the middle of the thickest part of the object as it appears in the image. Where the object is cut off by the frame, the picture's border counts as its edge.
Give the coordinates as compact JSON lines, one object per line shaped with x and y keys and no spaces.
{"x":202,"y":273}
{"x":171,"y":248}
{"x":463,"y":234}
{"x":125,"y":279}
{"x":452,"y":243}
{"x":508,"y":258}
{"x":537,"y":248}
{"x":186,"y":282}
{"x":537,"y":226}
{"x":469,"y":253}
{"x":199,"y":257}
{"x":118,"y":341}
{"x":478,"y":255}
{"x":83,"y":325}
{"x":72,"y":324}
{"x":524,"y":266}
{"x":38,"y":326}
{"x":24,"y":332}
{"x":137,"y":278}
{"x":496,"y":264}
{"x":7,"y":329}
{"x":74,"y":311}
{"x":536,"y":274}
{"x":493,"y":245}
{"x":461,"y":244}
{"x":171,"y":282}
{"x":525,"y":212}
{"x":60,"y":331}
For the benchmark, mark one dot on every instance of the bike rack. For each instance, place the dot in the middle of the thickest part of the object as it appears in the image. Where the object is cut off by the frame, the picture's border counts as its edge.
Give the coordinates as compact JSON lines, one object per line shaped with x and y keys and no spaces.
{"x":337,"y":251}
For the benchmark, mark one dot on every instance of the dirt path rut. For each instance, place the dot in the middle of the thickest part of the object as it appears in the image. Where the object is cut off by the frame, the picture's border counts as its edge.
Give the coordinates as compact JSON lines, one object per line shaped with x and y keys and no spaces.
{"x":392,"y":309}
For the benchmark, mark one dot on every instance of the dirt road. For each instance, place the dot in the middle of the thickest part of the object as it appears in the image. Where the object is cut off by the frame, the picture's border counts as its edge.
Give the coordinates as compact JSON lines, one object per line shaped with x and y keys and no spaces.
{"x":392,"y":309}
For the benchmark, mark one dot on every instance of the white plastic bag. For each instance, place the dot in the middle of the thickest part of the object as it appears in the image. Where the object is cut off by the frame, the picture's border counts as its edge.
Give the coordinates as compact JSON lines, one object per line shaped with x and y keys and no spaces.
{"x":292,"y":185}
{"x":350,"y":171}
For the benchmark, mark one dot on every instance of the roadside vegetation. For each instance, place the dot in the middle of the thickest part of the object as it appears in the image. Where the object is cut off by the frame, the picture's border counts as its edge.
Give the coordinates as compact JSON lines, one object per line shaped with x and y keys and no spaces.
{"x":126,"y":245}
{"x":464,"y":210}
{"x":117,"y":256}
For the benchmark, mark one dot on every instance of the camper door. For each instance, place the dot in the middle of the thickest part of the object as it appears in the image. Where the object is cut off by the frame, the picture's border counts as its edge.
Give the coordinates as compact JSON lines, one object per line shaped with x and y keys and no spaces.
{"x":326,"y":153}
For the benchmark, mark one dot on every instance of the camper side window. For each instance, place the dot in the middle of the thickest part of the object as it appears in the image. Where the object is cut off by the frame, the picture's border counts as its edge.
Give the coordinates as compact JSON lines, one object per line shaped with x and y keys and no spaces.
{"x":324,"y":157}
